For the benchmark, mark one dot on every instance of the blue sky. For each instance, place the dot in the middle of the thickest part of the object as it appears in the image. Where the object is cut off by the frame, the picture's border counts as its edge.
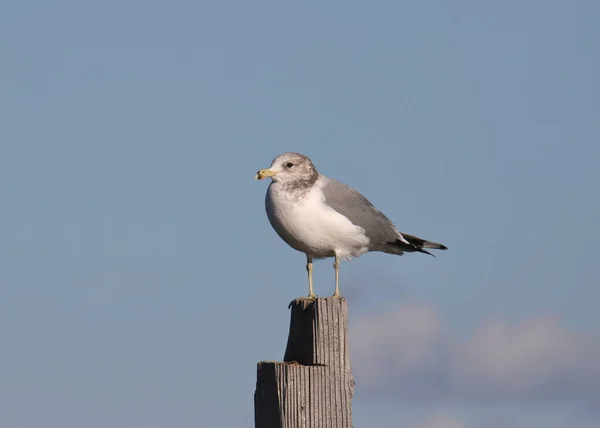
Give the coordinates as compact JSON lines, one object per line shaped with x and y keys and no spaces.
{"x":140,"y":281}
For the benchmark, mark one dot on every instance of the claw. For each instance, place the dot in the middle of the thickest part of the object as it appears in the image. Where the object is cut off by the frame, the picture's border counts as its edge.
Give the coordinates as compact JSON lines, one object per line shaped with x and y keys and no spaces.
{"x":304,"y":301}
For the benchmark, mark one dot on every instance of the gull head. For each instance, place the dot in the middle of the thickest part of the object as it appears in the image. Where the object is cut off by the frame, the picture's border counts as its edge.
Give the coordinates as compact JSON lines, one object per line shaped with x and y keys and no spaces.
{"x":290,"y":168}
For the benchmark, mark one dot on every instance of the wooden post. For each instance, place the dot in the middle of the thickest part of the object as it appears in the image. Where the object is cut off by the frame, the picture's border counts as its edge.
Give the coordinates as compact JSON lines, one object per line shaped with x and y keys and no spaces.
{"x":313,"y":386}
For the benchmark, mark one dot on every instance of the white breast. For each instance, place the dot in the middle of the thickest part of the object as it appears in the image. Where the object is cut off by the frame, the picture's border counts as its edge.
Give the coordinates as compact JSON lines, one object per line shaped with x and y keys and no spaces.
{"x":307,"y":224}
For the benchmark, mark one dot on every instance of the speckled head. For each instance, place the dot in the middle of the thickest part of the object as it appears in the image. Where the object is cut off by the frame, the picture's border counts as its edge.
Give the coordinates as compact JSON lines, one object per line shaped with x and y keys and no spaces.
{"x":294,"y":170}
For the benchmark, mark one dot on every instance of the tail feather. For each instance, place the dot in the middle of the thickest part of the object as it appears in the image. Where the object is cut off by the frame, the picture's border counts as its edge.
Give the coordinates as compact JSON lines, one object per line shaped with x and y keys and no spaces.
{"x":422,"y":243}
{"x":418,"y":245}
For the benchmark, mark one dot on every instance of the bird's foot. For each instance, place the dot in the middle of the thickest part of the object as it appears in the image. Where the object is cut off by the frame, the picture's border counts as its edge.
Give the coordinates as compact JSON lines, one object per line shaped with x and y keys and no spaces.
{"x":304,"y":301}
{"x":337,"y":295}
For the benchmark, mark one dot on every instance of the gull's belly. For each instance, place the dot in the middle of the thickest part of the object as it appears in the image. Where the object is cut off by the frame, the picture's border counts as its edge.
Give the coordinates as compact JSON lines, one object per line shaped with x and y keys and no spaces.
{"x":310,"y":226}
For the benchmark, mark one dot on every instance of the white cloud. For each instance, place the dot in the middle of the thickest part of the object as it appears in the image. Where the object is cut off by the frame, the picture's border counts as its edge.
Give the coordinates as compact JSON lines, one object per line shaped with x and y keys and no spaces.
{"x":417,"y":328}
{"x":410,"y":351}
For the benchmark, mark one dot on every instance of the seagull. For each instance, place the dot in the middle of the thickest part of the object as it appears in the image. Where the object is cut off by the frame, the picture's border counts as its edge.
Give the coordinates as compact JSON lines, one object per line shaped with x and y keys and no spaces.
{"x":322,"y":217}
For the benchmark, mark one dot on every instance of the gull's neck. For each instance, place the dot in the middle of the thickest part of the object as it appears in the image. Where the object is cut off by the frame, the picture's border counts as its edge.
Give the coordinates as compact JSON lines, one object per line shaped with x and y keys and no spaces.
{"x":297,"y":189}
{"x":300,"y":185}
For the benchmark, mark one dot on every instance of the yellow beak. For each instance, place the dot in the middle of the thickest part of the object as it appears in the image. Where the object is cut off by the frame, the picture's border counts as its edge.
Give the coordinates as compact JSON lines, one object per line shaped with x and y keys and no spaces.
{"x":263,"y":173}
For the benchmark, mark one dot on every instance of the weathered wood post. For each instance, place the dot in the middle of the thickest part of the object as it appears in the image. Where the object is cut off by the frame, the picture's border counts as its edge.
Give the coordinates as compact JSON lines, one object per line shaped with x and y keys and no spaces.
{"x":313,"y":386}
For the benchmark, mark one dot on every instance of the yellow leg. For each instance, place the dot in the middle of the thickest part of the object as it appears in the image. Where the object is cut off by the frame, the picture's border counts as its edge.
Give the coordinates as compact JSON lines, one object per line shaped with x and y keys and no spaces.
{"x":309,"y":269}
{"x":336,"y":267}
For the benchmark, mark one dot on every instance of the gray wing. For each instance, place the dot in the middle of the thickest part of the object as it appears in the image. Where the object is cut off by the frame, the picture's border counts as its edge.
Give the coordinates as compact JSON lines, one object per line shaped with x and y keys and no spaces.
{"x":351,"y":204}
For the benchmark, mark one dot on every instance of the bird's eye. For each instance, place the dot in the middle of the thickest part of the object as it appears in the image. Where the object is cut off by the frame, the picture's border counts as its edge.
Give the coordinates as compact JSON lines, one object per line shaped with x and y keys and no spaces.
{"x":289,"y":164}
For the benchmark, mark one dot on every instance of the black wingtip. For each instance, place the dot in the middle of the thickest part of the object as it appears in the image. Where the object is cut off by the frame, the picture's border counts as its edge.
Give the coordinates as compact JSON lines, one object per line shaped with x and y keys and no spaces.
{"x":421,"y":250}
{"x":443,"y":247}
